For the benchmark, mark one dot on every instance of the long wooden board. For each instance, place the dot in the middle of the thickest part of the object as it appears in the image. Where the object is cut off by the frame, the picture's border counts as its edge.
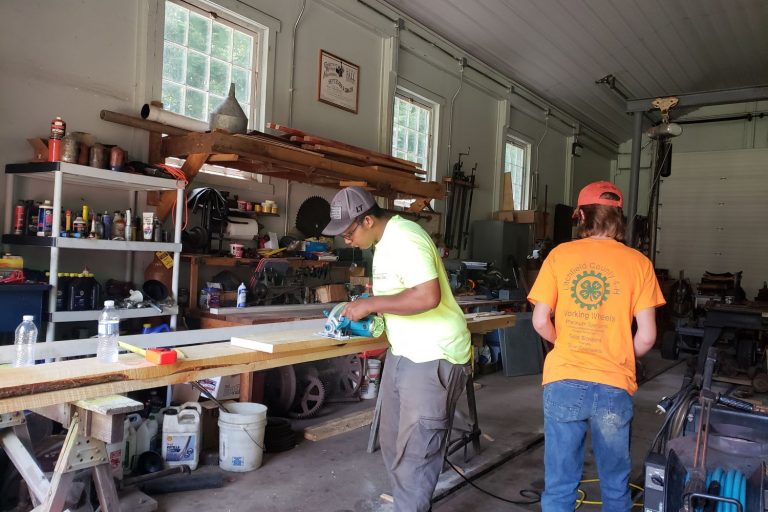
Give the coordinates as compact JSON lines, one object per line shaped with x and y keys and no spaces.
{"x":286,"y":341}
{"x":69,"y":381}
{"x":338,"y":426}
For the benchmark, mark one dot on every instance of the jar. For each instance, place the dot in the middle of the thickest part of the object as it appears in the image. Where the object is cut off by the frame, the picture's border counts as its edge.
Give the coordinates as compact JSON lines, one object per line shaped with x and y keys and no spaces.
{"x":80,"y":228}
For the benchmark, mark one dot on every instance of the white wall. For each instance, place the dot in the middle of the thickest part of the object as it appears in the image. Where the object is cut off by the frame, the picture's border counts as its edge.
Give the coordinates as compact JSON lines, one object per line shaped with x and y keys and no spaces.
{"x":74,"y":59}
{"x":731,"y":143}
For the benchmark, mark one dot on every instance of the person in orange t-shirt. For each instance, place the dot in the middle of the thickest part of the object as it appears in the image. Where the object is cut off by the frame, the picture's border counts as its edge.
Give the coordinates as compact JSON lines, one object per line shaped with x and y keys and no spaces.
{"x":595,"y":287}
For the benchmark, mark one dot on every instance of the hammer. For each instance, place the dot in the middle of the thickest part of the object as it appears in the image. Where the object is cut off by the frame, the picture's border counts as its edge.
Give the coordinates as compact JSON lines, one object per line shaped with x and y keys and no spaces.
{"x":154,"y":355}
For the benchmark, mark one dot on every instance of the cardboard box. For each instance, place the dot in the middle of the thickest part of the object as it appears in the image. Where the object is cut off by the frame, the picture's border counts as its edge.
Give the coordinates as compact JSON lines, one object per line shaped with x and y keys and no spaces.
{"x":331,"y":293}
{"x":359,"y":281}
{"x":209,"y":424}
{"x":222,"y":388}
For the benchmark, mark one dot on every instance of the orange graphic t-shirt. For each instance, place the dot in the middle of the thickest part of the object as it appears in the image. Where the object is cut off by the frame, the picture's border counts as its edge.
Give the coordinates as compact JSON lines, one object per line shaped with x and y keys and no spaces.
{"x":595,"y":287}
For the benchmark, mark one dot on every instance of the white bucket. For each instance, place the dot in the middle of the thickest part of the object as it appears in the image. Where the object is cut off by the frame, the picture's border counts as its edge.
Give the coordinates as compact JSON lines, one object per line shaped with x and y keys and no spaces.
{"x":374,"y":369}
{"x":241,"y":436}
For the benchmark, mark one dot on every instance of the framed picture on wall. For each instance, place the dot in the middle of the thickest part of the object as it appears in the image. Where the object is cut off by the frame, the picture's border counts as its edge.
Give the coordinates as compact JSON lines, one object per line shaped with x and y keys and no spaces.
{"x":338,"y":83}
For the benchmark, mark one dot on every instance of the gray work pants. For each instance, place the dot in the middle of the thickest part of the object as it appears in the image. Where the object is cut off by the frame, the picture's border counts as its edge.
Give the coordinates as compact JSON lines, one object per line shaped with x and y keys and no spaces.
{"x":417,"y":405}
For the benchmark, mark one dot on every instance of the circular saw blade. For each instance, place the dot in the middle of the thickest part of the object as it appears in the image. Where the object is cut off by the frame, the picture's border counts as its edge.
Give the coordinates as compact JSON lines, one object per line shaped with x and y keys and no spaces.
{"x":313,"y":215}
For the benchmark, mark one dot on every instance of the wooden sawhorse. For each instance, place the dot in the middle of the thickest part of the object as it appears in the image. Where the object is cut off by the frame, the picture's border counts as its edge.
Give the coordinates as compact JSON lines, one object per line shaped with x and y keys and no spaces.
{"x":92,"y":424}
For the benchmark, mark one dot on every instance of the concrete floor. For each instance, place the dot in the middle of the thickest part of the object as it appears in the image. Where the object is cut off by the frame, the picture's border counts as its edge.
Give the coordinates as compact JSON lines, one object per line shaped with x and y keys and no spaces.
{"x":337,"y":475}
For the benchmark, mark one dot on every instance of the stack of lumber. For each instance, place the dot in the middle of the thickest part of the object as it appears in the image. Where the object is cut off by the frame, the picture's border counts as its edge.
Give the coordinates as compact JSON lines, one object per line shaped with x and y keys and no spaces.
{"x":343,"y":152}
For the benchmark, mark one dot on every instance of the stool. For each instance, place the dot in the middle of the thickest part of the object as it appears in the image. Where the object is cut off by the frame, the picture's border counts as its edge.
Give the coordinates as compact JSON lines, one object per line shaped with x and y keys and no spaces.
{"x":469,"y":435}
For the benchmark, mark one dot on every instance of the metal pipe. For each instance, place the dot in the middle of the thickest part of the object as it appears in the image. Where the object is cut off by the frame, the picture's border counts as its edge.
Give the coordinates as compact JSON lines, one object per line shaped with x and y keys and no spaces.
{"x":293,"y":63}
{"x":634,"y":176}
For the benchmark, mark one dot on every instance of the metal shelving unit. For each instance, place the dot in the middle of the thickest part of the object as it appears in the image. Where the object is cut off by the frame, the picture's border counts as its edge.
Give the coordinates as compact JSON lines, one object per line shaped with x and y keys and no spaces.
{"x":61,"y":173}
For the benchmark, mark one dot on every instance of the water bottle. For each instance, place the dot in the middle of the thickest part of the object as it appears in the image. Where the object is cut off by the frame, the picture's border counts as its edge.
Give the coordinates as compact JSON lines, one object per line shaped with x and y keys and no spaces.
{"x":26,"y":337}
{"x":241,"y":295}
{"x":109,"y":328}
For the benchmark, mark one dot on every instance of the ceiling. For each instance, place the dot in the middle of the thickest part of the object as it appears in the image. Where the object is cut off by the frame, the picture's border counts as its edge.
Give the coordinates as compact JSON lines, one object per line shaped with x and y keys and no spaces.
{"x":559,"y":48}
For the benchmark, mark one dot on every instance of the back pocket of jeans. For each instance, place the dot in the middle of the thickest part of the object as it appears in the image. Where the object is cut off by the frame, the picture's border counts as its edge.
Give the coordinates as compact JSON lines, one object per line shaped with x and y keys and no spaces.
{"x":564,"y":400}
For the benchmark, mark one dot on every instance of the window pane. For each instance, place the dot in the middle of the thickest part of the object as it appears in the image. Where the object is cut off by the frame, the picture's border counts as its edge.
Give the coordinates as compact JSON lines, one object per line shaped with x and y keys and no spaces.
{"x":219,"y":78}
{"x":241,"y":77}
{"x":173,"y":62}
{"x":172,"y":97}
{"x":195,"y":104}
{"x":199,"y":32}
{"x":242,"y":50}
{"x":221,"y":42}
{"x":175,"y":23}
{"x":197,"y":70}
{"x":214,"y":101}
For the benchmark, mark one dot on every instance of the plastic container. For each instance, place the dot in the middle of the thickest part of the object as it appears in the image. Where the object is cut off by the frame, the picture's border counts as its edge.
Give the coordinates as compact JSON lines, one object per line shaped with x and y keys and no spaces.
{"x":84,"y":293}
{"x":181,"y":435}
{"x":109,"y":330}
{"x":241,"y":436}
{"x":130,"y":453}
{"x":25,"y":340}
{"x":241,"y":295}
{"x":145,"y":435}
{"x":370,"y":388}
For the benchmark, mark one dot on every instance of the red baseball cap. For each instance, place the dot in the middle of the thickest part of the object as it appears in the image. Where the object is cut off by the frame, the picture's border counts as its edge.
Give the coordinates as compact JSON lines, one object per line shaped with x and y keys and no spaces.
{"x":592,"y":192}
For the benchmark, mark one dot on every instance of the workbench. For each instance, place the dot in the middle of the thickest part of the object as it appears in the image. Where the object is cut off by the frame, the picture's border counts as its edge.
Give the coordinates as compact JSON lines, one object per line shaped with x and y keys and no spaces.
{"x":83,"y":394}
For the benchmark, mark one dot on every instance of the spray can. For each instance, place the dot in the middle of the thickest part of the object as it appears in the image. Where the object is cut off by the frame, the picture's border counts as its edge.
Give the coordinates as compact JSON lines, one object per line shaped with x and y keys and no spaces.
{"x":128,"y":225}
{"x":19,"y":214}
{"x":45,"y":219}
{"x":58,"y":129}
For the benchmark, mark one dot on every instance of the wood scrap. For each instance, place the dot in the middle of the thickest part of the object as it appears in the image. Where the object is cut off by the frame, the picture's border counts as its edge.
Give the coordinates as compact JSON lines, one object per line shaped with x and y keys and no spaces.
{"x":285,"y":341}
{"x":338,"y":426}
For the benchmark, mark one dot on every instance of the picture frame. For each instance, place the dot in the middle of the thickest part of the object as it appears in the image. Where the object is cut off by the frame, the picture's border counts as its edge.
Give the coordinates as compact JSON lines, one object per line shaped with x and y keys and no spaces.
{"x":338,"y":82}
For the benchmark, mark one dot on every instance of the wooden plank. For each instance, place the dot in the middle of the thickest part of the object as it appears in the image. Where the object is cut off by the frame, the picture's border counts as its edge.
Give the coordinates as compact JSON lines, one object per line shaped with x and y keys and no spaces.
{"x":68,"y":381}
{"x":338,"y":426}
{"x":286,"y":341}
{"x":190,"y":169}
{"x":224,"y":143}
{"x":481,"y":323}
{"x":113,"y":404}
{"x":362,"y":157}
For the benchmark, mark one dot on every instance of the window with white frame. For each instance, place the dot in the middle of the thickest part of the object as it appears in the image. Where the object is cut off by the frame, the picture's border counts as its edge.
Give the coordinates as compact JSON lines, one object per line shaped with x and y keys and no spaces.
{"x":203,"y":53}
{"x":516,"y":190}
{"x":412,"y":129}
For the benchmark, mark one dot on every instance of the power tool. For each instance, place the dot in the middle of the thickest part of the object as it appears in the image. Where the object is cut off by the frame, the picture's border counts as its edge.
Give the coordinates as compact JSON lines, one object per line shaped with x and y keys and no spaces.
{"x":342,"y":328}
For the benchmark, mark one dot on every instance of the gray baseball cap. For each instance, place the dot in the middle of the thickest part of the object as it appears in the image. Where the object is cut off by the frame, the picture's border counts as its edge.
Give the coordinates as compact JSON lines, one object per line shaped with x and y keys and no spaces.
{"x":346,"y":206}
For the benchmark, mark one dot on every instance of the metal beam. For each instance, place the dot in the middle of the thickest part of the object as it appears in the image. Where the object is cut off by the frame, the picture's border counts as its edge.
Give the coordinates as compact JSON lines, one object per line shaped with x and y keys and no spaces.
{"x":701,"y":99}
{"x":634,"y":176}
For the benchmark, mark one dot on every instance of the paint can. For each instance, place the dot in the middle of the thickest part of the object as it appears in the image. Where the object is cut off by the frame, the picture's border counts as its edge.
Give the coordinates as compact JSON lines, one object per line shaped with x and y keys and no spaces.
{"x":69,"y":149}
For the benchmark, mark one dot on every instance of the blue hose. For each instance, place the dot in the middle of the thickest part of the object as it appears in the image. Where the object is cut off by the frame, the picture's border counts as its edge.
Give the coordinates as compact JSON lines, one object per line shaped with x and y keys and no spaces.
{"x":733,"y":484}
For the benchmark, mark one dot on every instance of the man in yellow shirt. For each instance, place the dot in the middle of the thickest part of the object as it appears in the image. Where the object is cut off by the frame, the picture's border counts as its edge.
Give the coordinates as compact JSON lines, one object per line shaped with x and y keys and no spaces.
{"x":426,"y":366}
{"x":595,"y":287}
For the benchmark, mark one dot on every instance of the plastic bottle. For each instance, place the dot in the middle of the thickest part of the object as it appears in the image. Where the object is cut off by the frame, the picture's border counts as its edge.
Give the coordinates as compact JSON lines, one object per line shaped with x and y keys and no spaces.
{"x":146,"y":434}
{"x":109,"y":328}
{"x":241,"y":295}
{"x":106,"y":222}
{"x":26,"y":337}
{"x":130,"y":453}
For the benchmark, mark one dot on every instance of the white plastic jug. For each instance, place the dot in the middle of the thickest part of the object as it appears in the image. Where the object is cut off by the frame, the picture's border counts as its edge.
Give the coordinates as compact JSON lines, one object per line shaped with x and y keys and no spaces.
{"x":145,"y":434}
{"x":129,"y":437}
{"x":181,"y":435}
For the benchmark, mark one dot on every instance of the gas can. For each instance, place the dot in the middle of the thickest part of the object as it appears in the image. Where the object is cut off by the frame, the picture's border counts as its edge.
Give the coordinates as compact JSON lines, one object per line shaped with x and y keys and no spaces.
{"x":181,"y":435}
{"x":58,"y":129}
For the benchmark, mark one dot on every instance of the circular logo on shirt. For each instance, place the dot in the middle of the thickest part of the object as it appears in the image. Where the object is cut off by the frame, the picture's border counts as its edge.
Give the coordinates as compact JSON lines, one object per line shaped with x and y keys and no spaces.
{"x":590,"y":289}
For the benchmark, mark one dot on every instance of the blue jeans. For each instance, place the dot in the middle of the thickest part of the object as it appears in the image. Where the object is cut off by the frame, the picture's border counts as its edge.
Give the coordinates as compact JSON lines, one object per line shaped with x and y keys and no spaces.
{"x":570,"y":406}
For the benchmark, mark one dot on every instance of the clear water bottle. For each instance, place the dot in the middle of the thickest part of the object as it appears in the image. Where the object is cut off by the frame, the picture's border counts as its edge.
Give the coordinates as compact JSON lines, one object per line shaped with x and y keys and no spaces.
{"x":26,"y":337}
{"x":109,"y":329}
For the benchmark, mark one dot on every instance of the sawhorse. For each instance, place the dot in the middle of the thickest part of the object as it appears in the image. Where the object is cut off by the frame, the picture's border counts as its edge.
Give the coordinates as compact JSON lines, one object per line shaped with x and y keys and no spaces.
{"x":471,"y":435}
{"x":92,"y":424}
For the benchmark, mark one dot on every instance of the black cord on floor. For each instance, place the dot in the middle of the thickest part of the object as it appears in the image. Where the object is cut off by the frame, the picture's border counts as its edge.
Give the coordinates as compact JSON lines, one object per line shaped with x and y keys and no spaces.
{"x":533,"y":496}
